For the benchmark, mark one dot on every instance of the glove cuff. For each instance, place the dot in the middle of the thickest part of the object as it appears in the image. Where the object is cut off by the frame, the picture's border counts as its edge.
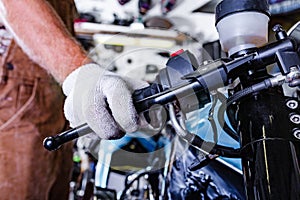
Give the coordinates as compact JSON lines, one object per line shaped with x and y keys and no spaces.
{"x":84,"y":71}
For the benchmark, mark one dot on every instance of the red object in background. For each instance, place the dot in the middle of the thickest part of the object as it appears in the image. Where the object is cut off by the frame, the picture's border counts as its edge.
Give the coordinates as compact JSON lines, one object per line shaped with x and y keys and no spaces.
{"x":78,"y":20}
{"x":180,"y":51}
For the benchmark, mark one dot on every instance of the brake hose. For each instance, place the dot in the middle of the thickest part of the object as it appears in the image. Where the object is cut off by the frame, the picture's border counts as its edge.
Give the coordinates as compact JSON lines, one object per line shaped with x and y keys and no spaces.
{"x":270,"y":82}
{"x":267,"y":83}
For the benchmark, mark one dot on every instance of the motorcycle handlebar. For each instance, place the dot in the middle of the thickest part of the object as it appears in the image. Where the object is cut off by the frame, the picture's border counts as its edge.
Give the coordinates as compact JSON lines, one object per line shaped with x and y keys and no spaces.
{"x":54,"y":142}
{"x":282,"y":51}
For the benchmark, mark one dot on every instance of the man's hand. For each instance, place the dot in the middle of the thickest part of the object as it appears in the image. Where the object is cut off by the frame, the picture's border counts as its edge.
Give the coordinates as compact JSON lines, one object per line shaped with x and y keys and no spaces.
{"x":101,"y":99}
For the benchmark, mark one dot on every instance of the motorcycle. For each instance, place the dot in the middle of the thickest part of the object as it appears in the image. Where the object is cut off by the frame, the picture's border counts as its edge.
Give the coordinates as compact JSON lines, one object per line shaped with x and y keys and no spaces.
{"x":258,"y":109}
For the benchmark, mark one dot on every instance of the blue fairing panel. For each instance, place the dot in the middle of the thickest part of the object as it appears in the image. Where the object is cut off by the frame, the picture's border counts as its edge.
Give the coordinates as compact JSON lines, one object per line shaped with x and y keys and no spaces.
{"x":199,"y":124}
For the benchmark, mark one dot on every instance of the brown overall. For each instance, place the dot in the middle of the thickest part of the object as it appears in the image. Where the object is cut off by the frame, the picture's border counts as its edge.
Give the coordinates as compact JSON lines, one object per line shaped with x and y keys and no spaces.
{"x":31,"y":108}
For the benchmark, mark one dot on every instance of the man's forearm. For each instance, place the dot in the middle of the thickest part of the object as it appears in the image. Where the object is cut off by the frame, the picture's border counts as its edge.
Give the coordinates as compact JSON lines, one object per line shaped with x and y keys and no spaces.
{"x":42,"y":35}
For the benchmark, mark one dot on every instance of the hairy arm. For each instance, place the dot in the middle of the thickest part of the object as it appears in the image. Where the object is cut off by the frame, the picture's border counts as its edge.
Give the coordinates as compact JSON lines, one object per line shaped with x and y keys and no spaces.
{"x":42,"y":35}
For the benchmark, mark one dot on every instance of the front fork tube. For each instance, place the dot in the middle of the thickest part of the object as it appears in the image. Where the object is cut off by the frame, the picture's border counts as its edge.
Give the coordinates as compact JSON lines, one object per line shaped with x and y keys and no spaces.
{"x":270,"y":149}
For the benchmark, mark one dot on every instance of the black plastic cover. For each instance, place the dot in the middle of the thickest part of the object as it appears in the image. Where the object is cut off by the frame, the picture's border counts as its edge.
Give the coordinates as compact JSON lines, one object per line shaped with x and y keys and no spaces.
{"x":228,"y":7}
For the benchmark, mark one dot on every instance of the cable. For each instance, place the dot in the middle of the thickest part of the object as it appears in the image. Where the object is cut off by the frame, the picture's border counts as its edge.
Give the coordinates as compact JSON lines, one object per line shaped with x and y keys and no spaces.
{"x":221,"y":119}
{"x":271,"y":82}
{"x":211,"y":118}
{"x":249,"y":90}
{"x":198,"y":142}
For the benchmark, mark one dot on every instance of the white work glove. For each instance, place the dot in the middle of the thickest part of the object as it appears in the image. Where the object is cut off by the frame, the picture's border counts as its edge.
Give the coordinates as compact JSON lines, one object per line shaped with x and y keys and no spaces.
{"x":102,"y":100}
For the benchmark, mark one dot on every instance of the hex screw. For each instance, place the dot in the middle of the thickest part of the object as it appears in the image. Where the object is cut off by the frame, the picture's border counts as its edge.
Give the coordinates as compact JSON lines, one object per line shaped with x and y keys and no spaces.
{"x":296,"y":134}
{"x":292,"y":104}
{"x":295,"y":118}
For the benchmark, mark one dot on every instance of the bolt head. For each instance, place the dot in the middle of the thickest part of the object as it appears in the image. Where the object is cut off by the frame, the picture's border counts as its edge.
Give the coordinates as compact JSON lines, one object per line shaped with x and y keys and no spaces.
{"x":292,"y":104}
{"x":295,"y":118}
{"x":296,"y":134}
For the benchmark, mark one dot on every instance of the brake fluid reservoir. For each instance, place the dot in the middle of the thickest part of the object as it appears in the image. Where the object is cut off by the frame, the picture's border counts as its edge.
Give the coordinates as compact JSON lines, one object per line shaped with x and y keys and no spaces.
{"x":242,"y":24}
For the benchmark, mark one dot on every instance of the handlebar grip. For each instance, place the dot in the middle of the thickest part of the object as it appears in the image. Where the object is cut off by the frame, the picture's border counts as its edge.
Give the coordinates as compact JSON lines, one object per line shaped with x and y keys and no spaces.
{"x":140,"y":100}
{"x":54,"y":142}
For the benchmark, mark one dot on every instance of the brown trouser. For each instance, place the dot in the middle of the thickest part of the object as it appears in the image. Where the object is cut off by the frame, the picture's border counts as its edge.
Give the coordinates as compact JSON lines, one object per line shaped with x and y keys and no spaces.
{"x":31,"y":108}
